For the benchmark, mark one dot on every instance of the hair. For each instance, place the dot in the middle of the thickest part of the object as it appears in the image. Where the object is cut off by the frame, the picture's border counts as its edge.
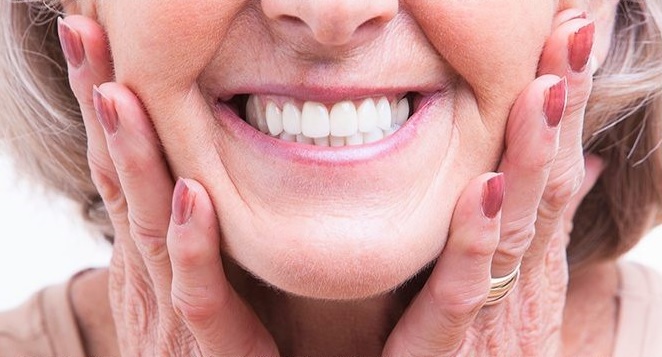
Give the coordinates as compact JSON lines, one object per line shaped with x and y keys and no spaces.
{"x":43,"y":130}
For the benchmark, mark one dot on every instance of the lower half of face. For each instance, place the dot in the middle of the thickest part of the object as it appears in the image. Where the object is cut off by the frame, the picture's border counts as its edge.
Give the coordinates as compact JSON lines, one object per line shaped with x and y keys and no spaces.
{"x":334,"y":159}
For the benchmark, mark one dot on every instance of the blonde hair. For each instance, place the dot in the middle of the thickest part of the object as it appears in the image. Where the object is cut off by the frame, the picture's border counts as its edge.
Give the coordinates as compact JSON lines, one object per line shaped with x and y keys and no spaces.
{"x":42,"y":126}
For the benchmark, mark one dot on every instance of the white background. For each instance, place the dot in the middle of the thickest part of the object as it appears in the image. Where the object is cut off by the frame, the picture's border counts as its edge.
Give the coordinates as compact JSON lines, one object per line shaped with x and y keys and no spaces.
{"x":42,"y":241}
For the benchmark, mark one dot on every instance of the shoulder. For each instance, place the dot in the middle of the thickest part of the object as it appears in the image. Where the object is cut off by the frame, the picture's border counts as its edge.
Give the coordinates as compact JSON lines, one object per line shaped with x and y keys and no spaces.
{"x":44,"y":325}
{"x":639,"y":282}
{"x":640,"y":311}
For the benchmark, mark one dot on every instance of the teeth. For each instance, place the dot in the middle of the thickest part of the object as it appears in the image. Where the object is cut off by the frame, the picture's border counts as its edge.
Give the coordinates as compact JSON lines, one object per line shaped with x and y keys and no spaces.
{"x":343,"y":119}
{"x":346,"y":123}
{"x":256,"y":116}
{"x":274,"y":119}
{"x":322,"y":141}
{"x":355,"y":139}
{"x":368,"y":116}
{"x":403,"y":112}
{"x":287,"y":137}
{"x":304,"y":139}
{"x":384,"y":111}
{"x":291,"y":119}
{"x":373,"y":136}
{"x":315,"y":120}
{"x":336,"y":141}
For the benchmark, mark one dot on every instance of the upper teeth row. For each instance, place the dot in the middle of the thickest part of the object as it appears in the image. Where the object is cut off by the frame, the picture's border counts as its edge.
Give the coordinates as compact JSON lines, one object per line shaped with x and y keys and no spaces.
{"x":314,"y":120}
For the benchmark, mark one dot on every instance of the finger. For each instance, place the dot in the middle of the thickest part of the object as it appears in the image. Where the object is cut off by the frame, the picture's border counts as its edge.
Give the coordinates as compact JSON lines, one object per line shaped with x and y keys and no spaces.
{"x":144,"y":179}
{"x":568,"y":53}
{"x":594,"y":165}
{"x":437,"y":320}
{"x":574,"y":40}
{"x":531,"y":145}
{"x":88,"y":62}
{"x":222,"y":324}
{"x":84,"y":46}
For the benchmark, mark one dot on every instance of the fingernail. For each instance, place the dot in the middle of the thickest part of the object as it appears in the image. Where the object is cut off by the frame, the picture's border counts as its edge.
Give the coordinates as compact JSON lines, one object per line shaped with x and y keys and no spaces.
{"x":493,"y":196}
{"x":555,"y":102}
{"x":105,"y":110}
{"x":72,"y":46}
{"x":580,"y":46}
{"x":182,"y":202}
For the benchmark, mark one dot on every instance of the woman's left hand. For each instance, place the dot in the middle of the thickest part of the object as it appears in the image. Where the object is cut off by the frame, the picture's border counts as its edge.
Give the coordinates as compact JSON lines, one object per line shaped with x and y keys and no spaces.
{"x":546,"y":176}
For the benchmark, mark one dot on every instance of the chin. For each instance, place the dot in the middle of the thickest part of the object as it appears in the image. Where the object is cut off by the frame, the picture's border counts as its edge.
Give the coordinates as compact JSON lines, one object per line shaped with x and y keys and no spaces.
{"x":341,"y":258}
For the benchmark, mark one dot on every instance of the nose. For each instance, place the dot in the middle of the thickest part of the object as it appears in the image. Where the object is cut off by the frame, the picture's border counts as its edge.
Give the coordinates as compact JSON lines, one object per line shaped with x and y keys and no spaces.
{"x":332,"y":22}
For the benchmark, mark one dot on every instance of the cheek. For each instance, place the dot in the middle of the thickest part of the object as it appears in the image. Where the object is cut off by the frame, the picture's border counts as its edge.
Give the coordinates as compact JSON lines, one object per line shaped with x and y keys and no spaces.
{"x":182,"y":38}
{"x":494,"y":46}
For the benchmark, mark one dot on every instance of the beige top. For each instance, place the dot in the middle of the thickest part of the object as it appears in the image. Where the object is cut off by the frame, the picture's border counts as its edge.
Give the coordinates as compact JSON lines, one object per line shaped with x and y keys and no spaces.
{"x":45,"y":325}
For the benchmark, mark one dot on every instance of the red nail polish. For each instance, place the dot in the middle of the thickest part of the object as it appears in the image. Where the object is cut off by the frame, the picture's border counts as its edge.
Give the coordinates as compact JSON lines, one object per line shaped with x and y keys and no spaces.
{"x":580,"y":46}
{"x":492,"y":199}
{"x":105,"y":110}
{"x":182,"y":203}
{"x":555,"y":101}
{"x":72,"y":46}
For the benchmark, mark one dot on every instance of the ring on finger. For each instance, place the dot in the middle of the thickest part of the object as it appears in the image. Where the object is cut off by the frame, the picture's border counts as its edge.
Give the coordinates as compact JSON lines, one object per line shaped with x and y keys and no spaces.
{"x":501,"y":287}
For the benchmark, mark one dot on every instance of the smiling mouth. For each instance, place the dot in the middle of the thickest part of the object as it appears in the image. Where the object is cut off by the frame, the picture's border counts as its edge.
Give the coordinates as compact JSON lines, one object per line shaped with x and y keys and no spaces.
{"x":344,"y":123}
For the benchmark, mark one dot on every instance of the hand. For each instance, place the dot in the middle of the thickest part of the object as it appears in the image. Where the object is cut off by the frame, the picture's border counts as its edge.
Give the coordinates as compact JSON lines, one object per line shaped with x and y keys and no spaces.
{"x":544,"y":177}
{"x":168,"y":291}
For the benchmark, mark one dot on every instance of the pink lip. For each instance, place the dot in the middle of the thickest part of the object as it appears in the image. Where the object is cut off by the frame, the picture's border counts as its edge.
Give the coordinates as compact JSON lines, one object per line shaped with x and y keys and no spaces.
{"x":325,"y":156}
{"x":327,"y":95}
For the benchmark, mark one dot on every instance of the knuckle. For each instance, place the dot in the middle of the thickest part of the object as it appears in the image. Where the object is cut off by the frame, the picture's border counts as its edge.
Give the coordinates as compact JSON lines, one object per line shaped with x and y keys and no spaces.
{"x":517,"y":234}
{"x":563,"y":187}
{"x":532,"y":160}
{"x":479,"y":247}
{"x":189,"y":255}
{"x":457,"y":306}
{"x":193,"y":309}
{"x":134,"y":163}
{"x":510,"y":253}
{"x":112,"y":196}
{"x":149,"y":237}
{"x":129,"y":165}
{"x":108,"y":188}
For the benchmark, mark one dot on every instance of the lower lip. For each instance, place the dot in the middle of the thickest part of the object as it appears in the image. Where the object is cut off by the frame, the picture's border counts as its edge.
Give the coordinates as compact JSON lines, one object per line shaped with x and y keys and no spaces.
{"x":324,"y":155}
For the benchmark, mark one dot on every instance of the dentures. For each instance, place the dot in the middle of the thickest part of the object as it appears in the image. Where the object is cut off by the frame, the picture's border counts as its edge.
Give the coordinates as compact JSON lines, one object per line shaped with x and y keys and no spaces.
{"x":338,"y":124}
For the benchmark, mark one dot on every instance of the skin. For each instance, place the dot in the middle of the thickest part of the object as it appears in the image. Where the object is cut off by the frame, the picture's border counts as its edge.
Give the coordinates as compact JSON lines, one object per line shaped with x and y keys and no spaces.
{"x":249,"y":192}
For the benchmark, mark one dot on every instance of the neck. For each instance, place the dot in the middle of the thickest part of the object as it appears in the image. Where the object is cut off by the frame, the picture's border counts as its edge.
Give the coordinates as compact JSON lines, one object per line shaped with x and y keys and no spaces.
{"x":591,"y":313}
{"x":312,"y":327}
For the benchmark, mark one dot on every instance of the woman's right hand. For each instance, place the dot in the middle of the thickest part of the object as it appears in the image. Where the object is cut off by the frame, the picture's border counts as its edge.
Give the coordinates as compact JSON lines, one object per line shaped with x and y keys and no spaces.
{"x":168,"y":291}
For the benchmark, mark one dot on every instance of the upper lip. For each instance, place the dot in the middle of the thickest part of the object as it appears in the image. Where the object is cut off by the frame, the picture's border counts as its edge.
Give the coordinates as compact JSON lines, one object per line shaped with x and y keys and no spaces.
{"x":324,"y":94}
{"x":328,"y":85}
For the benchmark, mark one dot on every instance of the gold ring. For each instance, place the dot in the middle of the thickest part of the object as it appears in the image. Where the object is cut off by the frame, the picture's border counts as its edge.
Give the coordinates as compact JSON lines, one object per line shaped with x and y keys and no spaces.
{"x":501,"y":287}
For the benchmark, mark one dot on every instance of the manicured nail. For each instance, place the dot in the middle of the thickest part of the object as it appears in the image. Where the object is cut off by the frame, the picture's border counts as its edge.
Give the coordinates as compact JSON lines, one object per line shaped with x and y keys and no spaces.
{"x":580,"y":46}
{"x":72,"y":46}
{"x":555,"y":101}
{"x":182,"y":202}
{"x":105,"y":110}
{"x":492,"y":199}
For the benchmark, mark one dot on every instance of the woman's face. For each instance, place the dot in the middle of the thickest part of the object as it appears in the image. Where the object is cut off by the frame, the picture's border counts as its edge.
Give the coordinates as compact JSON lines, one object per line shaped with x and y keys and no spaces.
{"x":334,"y":222}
